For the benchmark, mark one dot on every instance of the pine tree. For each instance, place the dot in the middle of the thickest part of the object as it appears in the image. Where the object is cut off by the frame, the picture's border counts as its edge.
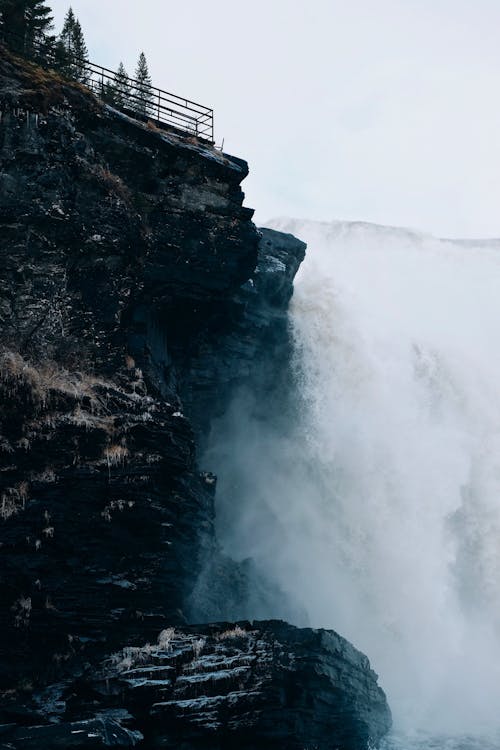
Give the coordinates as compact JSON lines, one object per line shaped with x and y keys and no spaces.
{"x":117,"y":90}
{"x":66,"y":35}
{"x":39,"y":19}
{"x":81,"y":55}
{"x":30,"y":23}
{"x":142,"y":92}
{"x":122,"y":87}
{"x":71,"y":50}
{"x":64,"y":50}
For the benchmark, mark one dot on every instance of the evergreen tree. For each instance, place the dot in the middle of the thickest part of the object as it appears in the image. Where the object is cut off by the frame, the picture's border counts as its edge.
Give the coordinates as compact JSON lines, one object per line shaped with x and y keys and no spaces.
{"x":71,"y":50}
{"x":81,"y":55}
{"x":61,"y":57}
{"x":108,"y":92}
{"x":66,"y":35}
{"x":142,"y":91}
{"x":64,"y":47}
{"x":117,"y":90}
{"x":30,"y":23}
{"x":122,"y":87}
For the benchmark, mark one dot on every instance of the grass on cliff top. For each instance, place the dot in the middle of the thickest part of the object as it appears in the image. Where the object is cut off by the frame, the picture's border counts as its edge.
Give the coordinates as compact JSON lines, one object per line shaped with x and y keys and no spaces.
{"x":31,"y":86}
{"x":41,"y":88}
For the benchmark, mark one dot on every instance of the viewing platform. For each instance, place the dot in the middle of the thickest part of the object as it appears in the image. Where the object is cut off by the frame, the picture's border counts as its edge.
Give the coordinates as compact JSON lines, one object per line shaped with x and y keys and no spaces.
{"x":148,"y":104}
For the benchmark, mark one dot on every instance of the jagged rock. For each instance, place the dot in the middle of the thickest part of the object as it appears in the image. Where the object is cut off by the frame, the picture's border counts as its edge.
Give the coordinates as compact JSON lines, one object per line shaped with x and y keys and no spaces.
{"x":135,"y":295}
{"x":268,"y":685}
{"x":115,"y":239}
{"x":96,"y":733}
{"x":113,"y":229}
{"x":247,"y":346}
{"x":247,"y":685}
{"x":250,"y":326}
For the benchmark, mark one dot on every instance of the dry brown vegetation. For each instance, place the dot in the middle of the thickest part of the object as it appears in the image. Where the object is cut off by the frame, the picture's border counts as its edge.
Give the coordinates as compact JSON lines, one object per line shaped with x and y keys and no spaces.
{"x":154,"y":127}
{"x":41,"y":381}
{"x":41,"y":88}
{"x":112,"y":182}
{"x":115,"y":454}
{"x":135,"y":655}
{"x":235,"y":632}
{"x":13,"y":500}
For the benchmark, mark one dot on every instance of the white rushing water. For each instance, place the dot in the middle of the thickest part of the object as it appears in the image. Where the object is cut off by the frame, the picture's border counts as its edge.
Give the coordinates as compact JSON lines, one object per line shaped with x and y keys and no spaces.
{"x":378,"y":510}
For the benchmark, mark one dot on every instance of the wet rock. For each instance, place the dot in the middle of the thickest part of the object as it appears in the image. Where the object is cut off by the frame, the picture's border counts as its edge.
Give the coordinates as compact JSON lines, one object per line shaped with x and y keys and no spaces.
{"x":247,"y":331}
{"x":246,"y":685}
{"x":135,"y":296}
{"x":96,"y":733}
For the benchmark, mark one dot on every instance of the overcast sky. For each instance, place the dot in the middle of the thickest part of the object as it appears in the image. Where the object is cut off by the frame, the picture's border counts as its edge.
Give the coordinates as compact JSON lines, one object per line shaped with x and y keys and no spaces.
{"x":377,"y":110}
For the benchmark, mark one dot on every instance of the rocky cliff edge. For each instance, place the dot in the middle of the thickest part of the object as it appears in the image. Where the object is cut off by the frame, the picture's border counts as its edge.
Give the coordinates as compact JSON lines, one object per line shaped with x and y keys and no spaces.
{"x":135,"y":291}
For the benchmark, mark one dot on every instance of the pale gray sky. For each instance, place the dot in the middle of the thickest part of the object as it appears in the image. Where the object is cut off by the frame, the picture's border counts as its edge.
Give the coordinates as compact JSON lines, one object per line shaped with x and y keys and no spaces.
{"x":378,"y":110}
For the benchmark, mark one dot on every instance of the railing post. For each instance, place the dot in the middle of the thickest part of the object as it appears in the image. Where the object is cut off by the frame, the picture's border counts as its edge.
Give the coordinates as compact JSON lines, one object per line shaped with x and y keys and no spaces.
{"x":159,"y":104}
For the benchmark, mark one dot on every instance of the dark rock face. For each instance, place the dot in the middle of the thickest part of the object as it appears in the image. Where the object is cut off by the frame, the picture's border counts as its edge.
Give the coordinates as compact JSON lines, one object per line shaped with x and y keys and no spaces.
{"x":260,"y":685}
{"x":247,"y":346}
{"x":134,"y":297}
{"x":115,"y":239}
{"x":101,"y":732}
{"x":251,"y":325}
{"x":115,"y":232}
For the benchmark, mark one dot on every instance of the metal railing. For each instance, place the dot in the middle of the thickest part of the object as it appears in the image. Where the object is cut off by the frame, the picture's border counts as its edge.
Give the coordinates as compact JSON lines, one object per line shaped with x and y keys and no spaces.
{"x":146,"y":103}
{"x":151,"y":103}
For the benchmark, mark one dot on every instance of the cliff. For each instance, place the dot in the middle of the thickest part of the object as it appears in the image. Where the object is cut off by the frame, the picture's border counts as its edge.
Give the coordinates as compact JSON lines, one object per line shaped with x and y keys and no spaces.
{"x":258,"y":685}
{"x":135,"y":293}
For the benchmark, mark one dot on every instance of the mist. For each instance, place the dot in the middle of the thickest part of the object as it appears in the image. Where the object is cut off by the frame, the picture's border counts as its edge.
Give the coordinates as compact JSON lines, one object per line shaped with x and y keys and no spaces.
{"x":370,"y":493}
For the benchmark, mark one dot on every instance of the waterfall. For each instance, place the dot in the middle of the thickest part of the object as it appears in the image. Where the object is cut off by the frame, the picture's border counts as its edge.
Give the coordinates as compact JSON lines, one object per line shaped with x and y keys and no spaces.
{"x":377,"y":509}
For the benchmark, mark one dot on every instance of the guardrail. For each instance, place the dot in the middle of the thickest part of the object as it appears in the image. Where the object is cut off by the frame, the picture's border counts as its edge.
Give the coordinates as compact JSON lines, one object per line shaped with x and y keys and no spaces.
{"x":161,"y":107}
{"x":153,"y":104}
